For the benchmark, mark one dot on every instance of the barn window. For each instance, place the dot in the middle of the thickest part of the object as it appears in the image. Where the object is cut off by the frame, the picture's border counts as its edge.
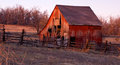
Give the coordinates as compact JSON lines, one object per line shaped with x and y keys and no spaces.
{"x":55,"y":28}
{"x":50,"y":30}
{"x":59,"y":26}
{"x":72,"y":38}
{"x":72,"y":41}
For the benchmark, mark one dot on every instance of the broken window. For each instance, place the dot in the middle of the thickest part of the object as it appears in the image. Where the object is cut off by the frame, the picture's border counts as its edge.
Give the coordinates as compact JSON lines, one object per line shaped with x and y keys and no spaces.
{"x":72,"y":38}
{"x":55,"y":27}
{"x":59,"y":26}
{"x":50,"y":30}
{"x":72,"y":41}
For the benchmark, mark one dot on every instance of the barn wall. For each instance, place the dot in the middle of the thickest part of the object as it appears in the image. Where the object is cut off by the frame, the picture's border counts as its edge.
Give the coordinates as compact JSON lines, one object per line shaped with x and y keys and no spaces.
{"x":54,"y":20}
{"x":81,"y":33}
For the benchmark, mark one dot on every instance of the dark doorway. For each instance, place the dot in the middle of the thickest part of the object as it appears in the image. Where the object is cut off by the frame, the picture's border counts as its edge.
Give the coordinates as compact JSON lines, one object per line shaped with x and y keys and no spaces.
{"x":72,"y":41}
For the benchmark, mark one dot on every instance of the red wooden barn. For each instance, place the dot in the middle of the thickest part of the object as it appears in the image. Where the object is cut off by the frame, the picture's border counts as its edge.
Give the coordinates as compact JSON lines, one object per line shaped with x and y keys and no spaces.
{"x":74,"y":23}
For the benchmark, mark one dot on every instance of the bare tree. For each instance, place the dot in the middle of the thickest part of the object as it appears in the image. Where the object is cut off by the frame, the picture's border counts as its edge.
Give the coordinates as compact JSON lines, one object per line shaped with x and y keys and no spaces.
{"x":111,"y":27}
{"x":21,"y":16}
{"x":38,"y":19}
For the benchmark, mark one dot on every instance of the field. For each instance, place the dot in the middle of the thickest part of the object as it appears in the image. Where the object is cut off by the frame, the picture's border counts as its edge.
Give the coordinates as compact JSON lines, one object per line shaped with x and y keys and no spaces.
{"x":48,"y":56}
{"x":112,"y":39}
{"x":29,"y":55}
{"x":18,"y":28}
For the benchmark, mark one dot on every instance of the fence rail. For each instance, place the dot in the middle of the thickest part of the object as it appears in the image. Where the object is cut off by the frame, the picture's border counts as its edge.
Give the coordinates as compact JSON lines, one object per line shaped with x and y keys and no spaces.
{"x":20,"y":38}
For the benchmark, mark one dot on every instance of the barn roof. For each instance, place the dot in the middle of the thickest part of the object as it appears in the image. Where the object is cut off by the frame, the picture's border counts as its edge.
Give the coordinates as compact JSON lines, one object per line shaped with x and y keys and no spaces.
{"x":79,"y":15}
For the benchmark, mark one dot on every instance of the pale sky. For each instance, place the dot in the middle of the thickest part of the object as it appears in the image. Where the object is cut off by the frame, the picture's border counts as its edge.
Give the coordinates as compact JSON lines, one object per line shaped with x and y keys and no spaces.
{"x":104,"y":8}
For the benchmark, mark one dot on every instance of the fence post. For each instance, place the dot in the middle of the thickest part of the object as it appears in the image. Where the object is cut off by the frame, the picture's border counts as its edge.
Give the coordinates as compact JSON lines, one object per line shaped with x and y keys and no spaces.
{"x":44,"y":39}
{"x":3,"y":37}
{"x":68,"y":44}
{"x":22,"y":37}
{"x":62,"y":41}
{"x":106,"y":44}
{"x":86,"y":45}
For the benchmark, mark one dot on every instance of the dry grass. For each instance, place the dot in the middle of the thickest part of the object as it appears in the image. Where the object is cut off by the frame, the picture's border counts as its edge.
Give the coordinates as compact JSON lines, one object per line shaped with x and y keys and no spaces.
{"x":9,"y":57}
{"x":47,"y":56}
{"x":18,"y":28}
{"x":113,"y":40}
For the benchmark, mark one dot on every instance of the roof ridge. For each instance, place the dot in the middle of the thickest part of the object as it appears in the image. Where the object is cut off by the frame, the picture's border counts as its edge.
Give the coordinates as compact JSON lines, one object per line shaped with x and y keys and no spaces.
{"x":72,"y":6}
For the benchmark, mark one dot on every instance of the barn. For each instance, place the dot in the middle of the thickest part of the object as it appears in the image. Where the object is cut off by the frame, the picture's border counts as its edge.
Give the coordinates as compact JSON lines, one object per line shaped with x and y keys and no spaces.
{"x":72,"y":26}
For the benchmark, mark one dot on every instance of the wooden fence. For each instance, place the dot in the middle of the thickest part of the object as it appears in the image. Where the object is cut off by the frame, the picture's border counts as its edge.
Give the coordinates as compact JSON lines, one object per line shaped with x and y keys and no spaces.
{"x":31,"y":39}
{"x":19,"y":38}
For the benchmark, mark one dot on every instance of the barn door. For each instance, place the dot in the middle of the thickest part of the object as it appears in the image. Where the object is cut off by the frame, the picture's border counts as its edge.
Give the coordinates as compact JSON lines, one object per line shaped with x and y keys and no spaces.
{"x":72,"y":39}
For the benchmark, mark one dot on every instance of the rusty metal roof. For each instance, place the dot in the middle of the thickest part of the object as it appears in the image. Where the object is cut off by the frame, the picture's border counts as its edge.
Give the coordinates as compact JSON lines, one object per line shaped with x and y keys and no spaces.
{"x":79,"y":15}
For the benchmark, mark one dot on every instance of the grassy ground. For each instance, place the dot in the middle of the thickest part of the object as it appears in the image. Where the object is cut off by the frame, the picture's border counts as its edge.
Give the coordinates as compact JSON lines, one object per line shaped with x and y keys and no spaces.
{"x":48,"y":56}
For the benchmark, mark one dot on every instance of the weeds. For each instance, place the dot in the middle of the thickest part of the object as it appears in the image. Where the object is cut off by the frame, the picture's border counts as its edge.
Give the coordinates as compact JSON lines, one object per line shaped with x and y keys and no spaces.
{"x":9,"y":57}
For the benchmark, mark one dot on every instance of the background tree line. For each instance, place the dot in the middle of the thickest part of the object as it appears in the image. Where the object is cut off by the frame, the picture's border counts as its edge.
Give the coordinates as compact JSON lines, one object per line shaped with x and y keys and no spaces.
{"x":20,"y":16}
{"x":111,"y":26}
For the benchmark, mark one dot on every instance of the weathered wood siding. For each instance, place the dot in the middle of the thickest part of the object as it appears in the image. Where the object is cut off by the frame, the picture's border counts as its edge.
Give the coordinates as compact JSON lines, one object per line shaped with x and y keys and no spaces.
{"x":58,"y":27}
{"x":82,"y":33}
{"x":54,"y":20}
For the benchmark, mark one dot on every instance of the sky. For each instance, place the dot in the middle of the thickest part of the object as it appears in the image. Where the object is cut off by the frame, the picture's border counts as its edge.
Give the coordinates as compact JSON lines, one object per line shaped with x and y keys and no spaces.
{"x":102,"y":8}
